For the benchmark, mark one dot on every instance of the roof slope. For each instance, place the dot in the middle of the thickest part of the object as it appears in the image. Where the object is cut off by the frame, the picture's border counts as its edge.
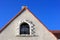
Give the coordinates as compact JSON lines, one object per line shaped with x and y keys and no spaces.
{"x":56,"y":33}
{"x":12,"y":19}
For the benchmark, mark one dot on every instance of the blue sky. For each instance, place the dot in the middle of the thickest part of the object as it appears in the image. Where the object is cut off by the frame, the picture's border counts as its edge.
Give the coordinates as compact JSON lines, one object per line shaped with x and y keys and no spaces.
{"x":48,"y":11}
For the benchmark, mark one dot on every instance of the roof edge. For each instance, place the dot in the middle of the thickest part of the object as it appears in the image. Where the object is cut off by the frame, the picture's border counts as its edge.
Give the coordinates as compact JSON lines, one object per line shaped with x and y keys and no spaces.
{"x":5,"y":26}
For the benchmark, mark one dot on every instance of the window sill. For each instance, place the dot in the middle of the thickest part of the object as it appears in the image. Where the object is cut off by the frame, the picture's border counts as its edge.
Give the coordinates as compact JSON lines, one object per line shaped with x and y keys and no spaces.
{"x":27,"y":35}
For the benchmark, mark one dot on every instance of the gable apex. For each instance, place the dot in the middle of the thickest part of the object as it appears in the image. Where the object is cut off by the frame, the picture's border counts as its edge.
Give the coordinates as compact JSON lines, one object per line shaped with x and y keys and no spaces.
{"x":24,"y":7}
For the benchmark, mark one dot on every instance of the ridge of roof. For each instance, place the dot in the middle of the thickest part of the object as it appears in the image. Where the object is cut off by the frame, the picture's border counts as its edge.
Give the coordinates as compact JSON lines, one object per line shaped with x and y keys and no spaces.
{"x":55,"y":31}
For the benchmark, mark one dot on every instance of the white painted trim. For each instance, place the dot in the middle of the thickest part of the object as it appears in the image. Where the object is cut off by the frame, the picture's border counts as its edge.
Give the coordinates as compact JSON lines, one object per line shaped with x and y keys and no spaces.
{"x":18,"y":26}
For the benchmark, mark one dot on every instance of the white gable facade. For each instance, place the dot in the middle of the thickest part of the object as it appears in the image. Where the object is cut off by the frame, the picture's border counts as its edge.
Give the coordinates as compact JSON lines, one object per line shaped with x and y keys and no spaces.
{"x":37,"y":31}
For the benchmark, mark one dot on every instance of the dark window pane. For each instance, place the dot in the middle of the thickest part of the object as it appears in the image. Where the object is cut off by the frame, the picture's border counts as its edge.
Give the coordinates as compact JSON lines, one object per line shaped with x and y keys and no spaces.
{"x":24,"y":28}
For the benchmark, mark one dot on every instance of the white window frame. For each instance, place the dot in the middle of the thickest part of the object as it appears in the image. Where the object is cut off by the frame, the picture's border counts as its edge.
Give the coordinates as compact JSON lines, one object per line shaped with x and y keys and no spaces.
{"x":18,"y":28}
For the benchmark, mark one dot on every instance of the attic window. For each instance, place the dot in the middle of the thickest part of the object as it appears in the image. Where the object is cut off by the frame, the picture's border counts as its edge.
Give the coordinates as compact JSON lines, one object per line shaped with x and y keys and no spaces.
{"x":24,"y":28}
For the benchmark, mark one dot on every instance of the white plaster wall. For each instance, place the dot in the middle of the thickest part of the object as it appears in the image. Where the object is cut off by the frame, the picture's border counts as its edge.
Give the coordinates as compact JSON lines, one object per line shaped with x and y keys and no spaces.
{"x":10,"y":32}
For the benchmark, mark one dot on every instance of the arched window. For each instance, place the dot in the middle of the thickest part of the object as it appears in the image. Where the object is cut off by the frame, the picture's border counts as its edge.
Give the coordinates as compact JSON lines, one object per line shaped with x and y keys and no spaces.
{"x":24,"y":28}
